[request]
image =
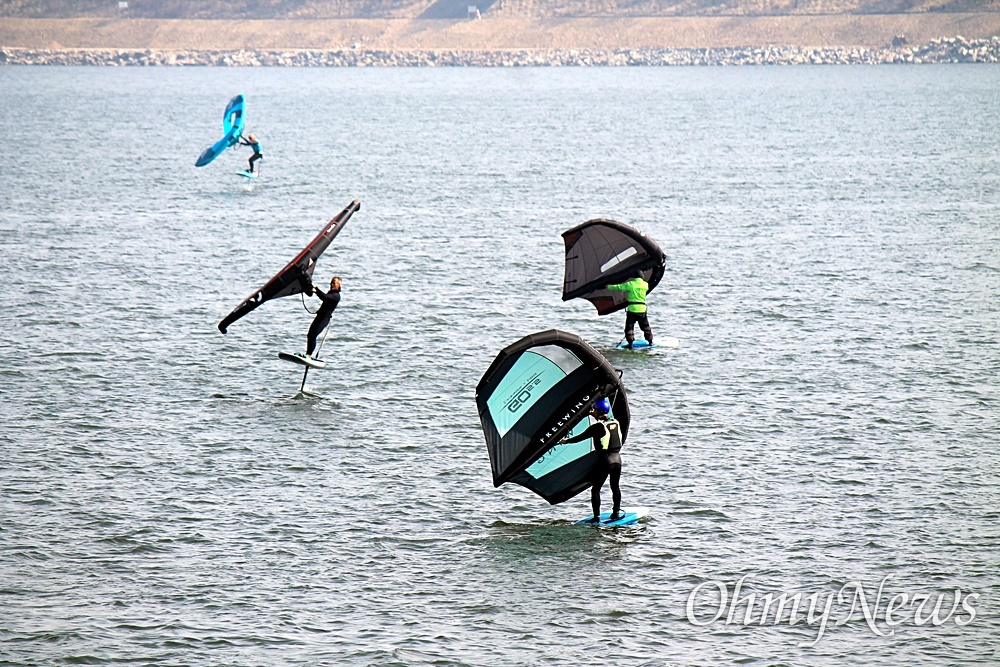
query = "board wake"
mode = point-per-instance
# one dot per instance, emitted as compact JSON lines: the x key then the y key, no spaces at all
{"x":299,"y":358}
{"x":632,"y":515}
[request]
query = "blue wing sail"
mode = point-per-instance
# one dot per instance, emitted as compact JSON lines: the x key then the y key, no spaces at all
{"x":232,"y":119}
{"x":232,"y":127}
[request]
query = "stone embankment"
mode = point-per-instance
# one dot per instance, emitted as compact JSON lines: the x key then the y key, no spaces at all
{"x":946,"y":50}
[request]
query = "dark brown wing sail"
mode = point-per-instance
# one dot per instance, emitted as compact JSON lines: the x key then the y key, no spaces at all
{"x":298,"y":273}
{"x":604,"y":252}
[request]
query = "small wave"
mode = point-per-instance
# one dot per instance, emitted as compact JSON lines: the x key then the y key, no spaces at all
{"x":980,"y":266}
{"x":707,"y":513}
{"x":84,"y":660}
{"x":771,"y":314}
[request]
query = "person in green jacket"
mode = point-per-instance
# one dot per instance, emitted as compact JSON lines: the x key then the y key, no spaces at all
{"x":635,"y":289}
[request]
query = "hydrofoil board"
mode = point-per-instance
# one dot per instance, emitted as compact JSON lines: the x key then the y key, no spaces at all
{"x":299,"y":358}
{"x":246,"y":174}
{"x":643,"y":345}
{"x":632,"y":514}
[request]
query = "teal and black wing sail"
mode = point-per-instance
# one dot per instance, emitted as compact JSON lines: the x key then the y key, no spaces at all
{"x":536,"y":392}
{"x":232,"y":128}
{"x":298,"y":273}
{"x":604,"y":252}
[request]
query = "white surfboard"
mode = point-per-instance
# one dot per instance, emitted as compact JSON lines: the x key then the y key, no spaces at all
{"x":299,"y":358}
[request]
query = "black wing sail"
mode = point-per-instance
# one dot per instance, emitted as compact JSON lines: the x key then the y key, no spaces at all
{"x":298,"y":273}
{"x":603,"y":252}
{"x":537,"y":391}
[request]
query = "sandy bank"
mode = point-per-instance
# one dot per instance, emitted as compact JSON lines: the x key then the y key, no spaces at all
{"x":495,"y":33}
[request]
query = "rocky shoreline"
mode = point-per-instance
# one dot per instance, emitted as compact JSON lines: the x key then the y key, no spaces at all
{"x":945,"y":50}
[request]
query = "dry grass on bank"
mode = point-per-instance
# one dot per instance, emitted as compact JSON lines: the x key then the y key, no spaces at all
{"x":494,"y":33}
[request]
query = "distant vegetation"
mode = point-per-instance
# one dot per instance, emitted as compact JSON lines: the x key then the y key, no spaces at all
{"x":411,"y":9}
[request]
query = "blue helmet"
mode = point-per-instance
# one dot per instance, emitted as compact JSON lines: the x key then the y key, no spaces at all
{"x":603,"y":406}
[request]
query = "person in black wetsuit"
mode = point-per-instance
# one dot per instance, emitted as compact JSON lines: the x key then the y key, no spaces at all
{"x":258,"y":152}
{"x":322,"y":320}
{"x":607,"y":436}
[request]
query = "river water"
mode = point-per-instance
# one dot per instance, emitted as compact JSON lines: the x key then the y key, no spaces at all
{"x":828,"y":425}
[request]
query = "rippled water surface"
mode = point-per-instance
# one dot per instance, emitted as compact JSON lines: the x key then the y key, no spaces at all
{"x":831,"y":415}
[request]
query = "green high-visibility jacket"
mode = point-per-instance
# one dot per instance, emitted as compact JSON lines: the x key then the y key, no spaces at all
{"x":635,"y":290}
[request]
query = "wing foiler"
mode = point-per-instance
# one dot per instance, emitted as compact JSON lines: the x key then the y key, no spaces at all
{"x":536,"y":392}
{"x":298,"y":273}
{"x":232,"y":127}
{"x":604,"y":252}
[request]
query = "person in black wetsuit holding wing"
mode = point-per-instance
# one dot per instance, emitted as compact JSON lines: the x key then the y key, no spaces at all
{"x":607,"y":436}
{"x":322,"y":320}
{"x":258,"y":152}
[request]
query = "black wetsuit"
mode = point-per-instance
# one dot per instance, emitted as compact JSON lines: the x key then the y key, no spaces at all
{"x":258,"y":152}
{"x":609,"y":463}
{"x":330,"y":300}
